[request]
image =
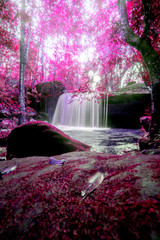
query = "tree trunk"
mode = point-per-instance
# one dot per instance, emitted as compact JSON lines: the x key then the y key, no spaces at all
{"x":51,"y":98}
{"x":152,"y":62}
{"x":36,"y":69}
{"x":22,"y":69}
{"x":150,"y":57}
{"x":42,"y":62}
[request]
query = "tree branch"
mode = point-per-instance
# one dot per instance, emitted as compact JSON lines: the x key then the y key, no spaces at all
{"x":126,"y":32}
{"x":147,"y":17}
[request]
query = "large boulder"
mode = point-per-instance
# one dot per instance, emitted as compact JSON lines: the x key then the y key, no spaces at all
{"x":50,"y":92}
{"x":148,"y":145}
{"x":40,"y":139}
{"x":48,"y":88}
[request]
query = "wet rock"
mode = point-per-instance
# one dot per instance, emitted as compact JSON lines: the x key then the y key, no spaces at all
{"x":144,"y":141}
{"x":148,"y":145}
{"x":151,"y":151}
{"x":145,"y":122}
{"x":40,"y":139}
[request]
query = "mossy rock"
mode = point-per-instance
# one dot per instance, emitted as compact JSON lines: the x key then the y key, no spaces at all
{"x":125,"y":109}
{"x":50,"y":88}
{"x":133,"y":87}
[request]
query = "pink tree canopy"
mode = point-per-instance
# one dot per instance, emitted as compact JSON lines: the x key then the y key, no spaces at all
{"x":75,"y":42}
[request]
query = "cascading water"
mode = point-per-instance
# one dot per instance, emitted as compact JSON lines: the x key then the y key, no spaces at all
{"x":81,"y":111}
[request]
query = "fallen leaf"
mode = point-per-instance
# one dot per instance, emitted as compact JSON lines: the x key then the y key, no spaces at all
{"x":9,"y":169}
{"x":54,"y":161}
{"x":92,"y":183}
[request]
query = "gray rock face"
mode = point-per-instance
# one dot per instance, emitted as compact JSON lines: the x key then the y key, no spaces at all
{"x":125,"y":110}
{"x":40,"y":139}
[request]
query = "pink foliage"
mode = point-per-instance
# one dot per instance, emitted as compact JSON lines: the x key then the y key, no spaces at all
{"x":67,"y":39}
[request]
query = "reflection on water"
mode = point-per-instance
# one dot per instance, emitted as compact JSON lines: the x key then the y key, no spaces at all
{"x":107,"y":140}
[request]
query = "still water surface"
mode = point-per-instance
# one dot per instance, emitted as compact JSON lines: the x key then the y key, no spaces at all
{"x":106,"y":140}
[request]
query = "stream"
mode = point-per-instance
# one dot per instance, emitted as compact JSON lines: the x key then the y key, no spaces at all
{"x":106,"y":140}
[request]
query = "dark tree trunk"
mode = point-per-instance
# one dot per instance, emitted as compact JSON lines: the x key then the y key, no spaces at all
{"x":149,"y":55}
{"x":152,"y":62}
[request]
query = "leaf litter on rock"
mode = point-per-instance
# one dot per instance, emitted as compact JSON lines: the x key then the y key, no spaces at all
{"x":115,"y":214}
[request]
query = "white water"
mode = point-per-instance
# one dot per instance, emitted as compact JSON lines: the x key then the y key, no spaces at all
{"x":80,"y":111}
{"x":107,"y":140}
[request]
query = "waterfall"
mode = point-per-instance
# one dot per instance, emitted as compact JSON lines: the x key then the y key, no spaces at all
{"x":83,"y":110}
